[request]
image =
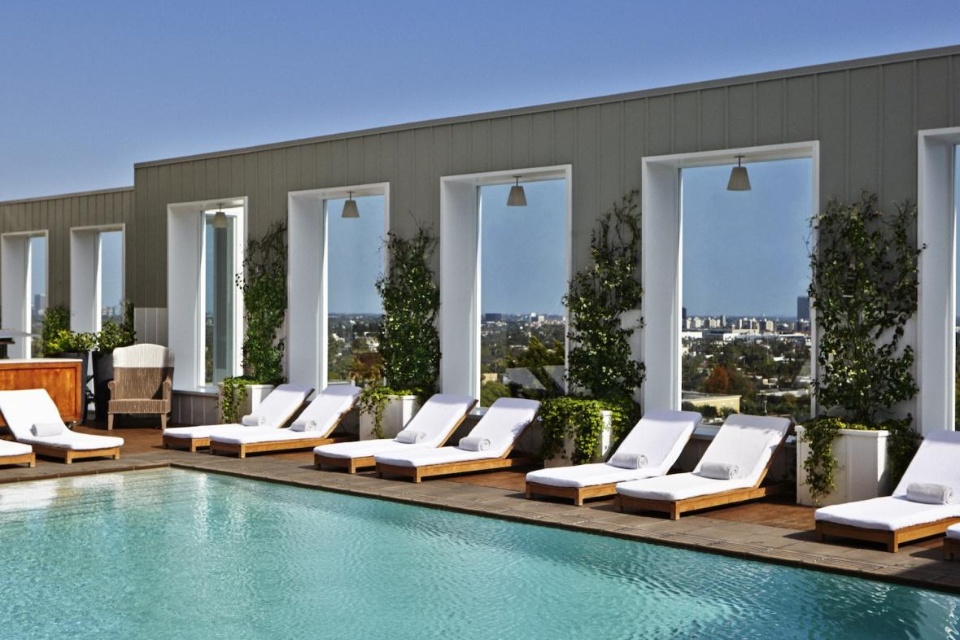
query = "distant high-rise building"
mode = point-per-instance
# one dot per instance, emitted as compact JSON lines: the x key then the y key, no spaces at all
{"x":492,"y":317}
{"x":803,"y":308}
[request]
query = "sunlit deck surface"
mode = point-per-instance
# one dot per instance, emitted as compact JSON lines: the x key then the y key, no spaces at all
{"x":773,"y":530}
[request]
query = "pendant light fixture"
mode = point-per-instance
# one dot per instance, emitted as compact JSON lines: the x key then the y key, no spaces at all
{"x":220,"y":218}
{"x":350,"y":207}
{"x":739,"y":180}
{"x":517,"y":197}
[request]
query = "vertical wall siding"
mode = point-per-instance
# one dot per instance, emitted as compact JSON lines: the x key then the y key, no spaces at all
{"x":57,"y":216}
{"x":865,"y":118}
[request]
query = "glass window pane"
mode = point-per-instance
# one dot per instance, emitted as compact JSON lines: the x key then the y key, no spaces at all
{"x":523,"y":280}
{"x":111,"y":275}
{"x":37,"y":290}
{"x":354,"y":262}
{"x":221,"y":297}
{"x":745,"y":340}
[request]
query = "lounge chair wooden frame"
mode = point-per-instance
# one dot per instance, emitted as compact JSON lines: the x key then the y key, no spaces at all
{"x":242,"y":449}
{"x":69,"y":455}
{"x":951,"y":548}
{"x":892,"y":539}
{"x":352,"y":465}
{"x":674,"y":508}
{"x":417,"y":474}
{"x":577,"y":494}
{"x":29,"y":459}
{"x":169,"y":442}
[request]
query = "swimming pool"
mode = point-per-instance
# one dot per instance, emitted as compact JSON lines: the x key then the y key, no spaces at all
{"x":180,"y":554}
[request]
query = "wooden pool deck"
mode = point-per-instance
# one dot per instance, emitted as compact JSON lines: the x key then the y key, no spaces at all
{"x":772,"y":531}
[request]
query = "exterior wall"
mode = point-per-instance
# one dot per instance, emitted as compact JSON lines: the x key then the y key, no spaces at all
{"x":865,"y":114}
{"x":60,"y":214}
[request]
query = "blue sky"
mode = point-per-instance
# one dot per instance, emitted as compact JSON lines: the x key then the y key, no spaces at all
{"x":88,"y":89}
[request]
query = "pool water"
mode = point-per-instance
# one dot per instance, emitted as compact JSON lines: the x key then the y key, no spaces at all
{"x":180,"y":554}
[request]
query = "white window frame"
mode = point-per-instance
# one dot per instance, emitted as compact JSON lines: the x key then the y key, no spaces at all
{"x":460,"y":268}
{"x":16,"y":290}
{"x":307,"y":291}
{"x":936,"y":304}
{"x":186,"y":287}
{"x":662,"y":259}
{"x":86,"y":275}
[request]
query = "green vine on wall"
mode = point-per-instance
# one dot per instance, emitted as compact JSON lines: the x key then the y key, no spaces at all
{"x":409,"y":340}
{"x":580,"y":419}
{"x":264,"y":287}
{"x":231,"y":399}
{"x":599,"y":360}
{"x":864,"y":290}
{"x":373,"y":401}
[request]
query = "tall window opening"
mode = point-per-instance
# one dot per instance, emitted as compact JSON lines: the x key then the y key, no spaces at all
{"x":110,"y":261}
{"x":37,"y":291}
{"x":222,"y":262}
{"x":354,"y":262}
{"x":956,"y":211}
{"x":523,"y":278}
{"x":745,"y":339}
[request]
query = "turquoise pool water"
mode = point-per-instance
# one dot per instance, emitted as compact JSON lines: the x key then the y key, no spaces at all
{"x":177,"y":554}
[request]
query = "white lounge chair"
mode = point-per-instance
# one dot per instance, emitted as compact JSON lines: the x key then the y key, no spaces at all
{"x":275,"y":411}
{"x":908,"y":514}
{"x":35,"y":420}
{"x":430,"y":428}
{"x":732,"y":469}
{"x":17,"y":453}
{"x":488,"y":445}
{"x":311,"y":428}
{"x":649,"y":450}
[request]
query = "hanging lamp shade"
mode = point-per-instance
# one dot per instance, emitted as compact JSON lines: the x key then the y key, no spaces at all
{"x":739,"y":180}
{"x":350,"y":208}
{"x":517,"y":197}
{"x":220,"y":218}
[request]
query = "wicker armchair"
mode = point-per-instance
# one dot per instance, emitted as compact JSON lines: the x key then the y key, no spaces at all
{"x":142,"y":382}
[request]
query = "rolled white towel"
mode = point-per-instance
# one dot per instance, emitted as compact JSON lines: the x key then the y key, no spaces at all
{"x":474,"y":443}
{"x":253,"y":420}
{"x":929,"y":493}
{"x":45,"y":429}
{"x":629,"y":460}
{"x":308,"y":425}
{"x":719,"y":470}
{"x":411,"y":436}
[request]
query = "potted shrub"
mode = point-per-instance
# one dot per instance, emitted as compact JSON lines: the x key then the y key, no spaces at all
{"x":58,"y":341}
{"x":112,"y":334}
{"x":863,"y":290}
{"x":263,"y":284}
{"x":408,"y":336}
{"x":603,"y":302}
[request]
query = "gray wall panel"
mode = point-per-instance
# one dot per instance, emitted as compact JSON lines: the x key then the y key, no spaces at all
{"x":543,"y":133}
{"x":864,"y":132}
{"x":611,"y":151}
{"x":933,"y":93}
{"x":832,"y":133}
{"x":713,"y":119}
{"x":521,"y":133}
{"x":741,"y":116}
{"x":461,"y":136}
{"x":686,"y":122}
{"x":770,"y":112}
{"x":800,"y":107}
{"x":634,"y":141}
{"x":660,"y":126}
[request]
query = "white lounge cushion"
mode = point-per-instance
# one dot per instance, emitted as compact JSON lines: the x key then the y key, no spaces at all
{"x":324,"y":411}
{"x":953,"y":531}
{"x":501,"y":425}
{"x":747,"y":442}
{"x":44,"y":429}
{"x":888,"y":513}
{"x":24,"y":408}
{"x":278,"y":407}
{"x":8,"y":448}
{"x":588,"y":475}
{"x":659,"y":436}
{"x":437,"y":419}
{"x":934,"y":463}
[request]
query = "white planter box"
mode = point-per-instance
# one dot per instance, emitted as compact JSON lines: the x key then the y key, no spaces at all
{"x":565,"y":457}
{"x":397,"y":413}
{"x":255,"y":395}
{"x":861,"y":467}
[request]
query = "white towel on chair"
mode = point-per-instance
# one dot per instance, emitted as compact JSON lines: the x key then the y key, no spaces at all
{"x":474,"y":443}
{"x":253,"y":420}
{"x":44,"y":429}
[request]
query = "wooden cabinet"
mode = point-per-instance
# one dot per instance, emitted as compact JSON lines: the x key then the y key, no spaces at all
{"x":61,"y":377}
